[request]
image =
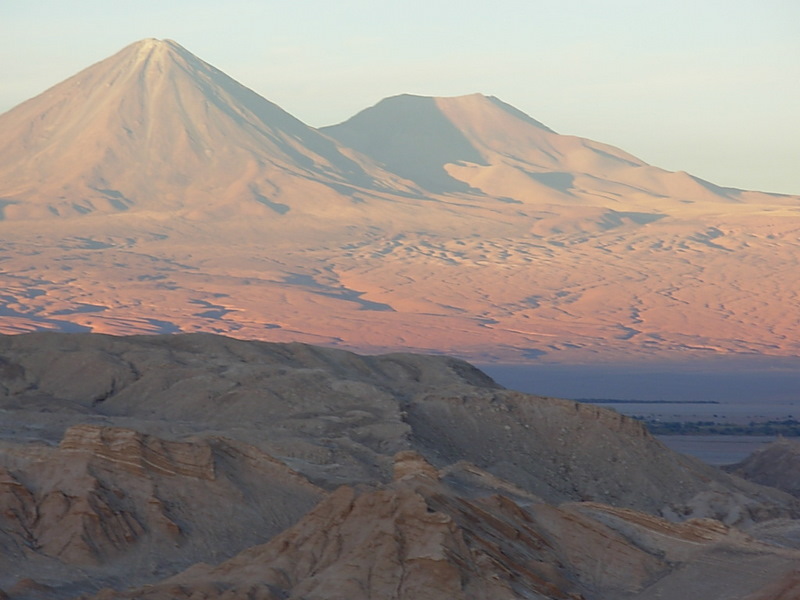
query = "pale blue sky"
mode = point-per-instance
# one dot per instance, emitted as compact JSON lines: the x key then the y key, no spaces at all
{"x":707,"y":86}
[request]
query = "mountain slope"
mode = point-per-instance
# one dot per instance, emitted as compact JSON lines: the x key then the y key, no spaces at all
{"x":153,"y":127}
{"x":481,"y":143}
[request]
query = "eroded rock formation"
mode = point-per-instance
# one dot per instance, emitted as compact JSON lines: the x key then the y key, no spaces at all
{"x":204,"y":467}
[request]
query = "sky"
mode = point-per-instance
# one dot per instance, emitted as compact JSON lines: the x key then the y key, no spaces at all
{"x":711,"y":87}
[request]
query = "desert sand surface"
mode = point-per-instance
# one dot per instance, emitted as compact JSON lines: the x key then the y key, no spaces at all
{"x":201,"y":466}
{"x":151,"y":193}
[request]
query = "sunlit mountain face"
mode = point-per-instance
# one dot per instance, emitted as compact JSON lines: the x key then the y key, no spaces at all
{"x":152,"y":193}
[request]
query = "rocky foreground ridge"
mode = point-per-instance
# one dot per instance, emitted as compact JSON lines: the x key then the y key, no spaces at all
{"x":198,"y":466}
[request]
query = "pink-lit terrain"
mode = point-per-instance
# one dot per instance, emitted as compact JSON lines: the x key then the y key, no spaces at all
{"x":151,"y":193}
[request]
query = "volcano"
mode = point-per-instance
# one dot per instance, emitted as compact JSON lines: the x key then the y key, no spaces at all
{"x":482,"y":144}
{"x":155,"y":128}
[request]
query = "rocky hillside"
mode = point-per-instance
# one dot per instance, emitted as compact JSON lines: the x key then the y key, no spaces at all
{"x":776,"y":465}
{"x":289,"y":471}
{"x":420,"y":537}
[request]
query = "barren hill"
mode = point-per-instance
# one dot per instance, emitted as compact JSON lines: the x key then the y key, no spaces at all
{"x":776,"y":465}
{"x":127,"y":460}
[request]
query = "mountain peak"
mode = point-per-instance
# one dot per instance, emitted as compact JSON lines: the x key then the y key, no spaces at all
{"x":418,"y":136}
{"x":151,"y":52}
{"x":413,"y":137}
{"x":514,"y":111}
{"x":154,"y":44}
{"x":475,"y":102}
{"x":158,"y":54}
{"x":160,"y":128}
{"x":149,"y":43}
{"x":147,"y":47}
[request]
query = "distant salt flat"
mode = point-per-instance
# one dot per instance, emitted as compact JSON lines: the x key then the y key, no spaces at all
{"x":769,"y":385}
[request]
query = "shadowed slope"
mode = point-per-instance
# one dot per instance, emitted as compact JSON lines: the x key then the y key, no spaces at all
{"x":308,"y":401}
{"x":776,"y":465}
{"x":479,"y":142}
{"x":408,"y":135}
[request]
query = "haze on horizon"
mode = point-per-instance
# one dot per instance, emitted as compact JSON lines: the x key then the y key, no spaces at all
{"x":707,"y":87}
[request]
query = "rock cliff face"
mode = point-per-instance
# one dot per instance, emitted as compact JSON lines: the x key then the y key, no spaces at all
{"x":420,"y":538}
{"x":111,"y":500}
{"x":138,"y":453}
{"x":126,"y":461}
